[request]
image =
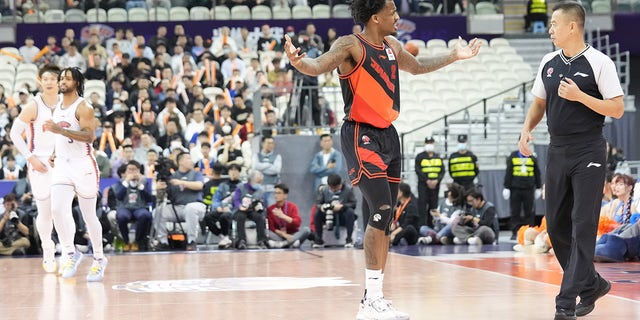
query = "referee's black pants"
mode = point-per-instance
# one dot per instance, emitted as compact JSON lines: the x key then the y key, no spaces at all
{"x":521,"y":205}
{"x":574,"y":180}
{"x":427,"y":200}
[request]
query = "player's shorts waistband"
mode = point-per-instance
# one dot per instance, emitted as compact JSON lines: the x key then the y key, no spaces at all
{"x":364,"y":124}
{"x":586,"y":136}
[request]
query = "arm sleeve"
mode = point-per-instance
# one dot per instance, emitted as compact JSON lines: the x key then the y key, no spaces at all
{"x":418,"y":168}
{"x":487,"y":218}
{"x":17,"y":129}
{"x":608,"y":81}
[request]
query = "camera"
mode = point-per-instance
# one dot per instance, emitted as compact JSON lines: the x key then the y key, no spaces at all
{"x":252,"y":204}
{"x":13,"y":217}
{"x":328,"y":208}
{"x":163,"y":169}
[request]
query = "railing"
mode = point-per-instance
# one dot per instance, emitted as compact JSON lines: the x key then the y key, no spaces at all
{"x":466,"y":117}
{"x":621,"y":59}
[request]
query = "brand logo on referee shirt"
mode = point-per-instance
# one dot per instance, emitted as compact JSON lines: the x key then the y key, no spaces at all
{"x":594,"y":164}
{"x":549,"y":72}
{"x":584,"y":75}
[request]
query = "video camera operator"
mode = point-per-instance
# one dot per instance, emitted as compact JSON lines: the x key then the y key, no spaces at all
{"x":13,"y":233}
{"x":336,"y":204}
{"x":184,"y":194}
{"x":249,"y":201}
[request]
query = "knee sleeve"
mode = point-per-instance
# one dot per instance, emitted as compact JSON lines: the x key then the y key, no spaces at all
{"x":380,"y":218}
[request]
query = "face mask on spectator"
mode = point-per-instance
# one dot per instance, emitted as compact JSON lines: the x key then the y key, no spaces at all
{"x":255,"y":186}
{"x":117,"y":107}
{"x":462,"y":146}
{"x":429,"y":147}
{"x":176,"y":144}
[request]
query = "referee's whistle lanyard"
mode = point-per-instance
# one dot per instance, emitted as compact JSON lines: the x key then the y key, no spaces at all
{"x":523,"y":165}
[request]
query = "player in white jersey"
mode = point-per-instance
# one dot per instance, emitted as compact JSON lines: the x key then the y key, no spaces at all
{"x":75,"y":171}
{"x":37,"y":148}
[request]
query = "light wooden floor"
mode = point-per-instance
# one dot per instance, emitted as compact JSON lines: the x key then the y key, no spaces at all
{"x":294,"y":284}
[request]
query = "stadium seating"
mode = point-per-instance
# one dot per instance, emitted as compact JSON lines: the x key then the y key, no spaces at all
{"x":341,"y":11}
{"x":76,"y":15}
{"x":301,"y":12}
{"x":220,"y":13}
{"x":199,"y":13}
{"x":179,"y":14}
{"x":261,"y":12}
{"x":158,"y":14}
{"x":117,"y":15}
{"x":54,"y":16}
{"x":138,"y":14}
{"x":321,"y":11}
{"x":281,"y":13}
{"x":240,"y":13}
{"x":96,"y":15}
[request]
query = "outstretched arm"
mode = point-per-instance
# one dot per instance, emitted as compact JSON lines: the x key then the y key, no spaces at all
{"x":340,"y":51}
{"x":409,"y":63}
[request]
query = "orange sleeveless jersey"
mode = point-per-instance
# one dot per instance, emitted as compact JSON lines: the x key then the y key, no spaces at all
{"x":371,"y":91}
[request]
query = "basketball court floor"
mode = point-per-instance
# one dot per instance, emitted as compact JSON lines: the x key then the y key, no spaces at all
{"x":429,"y":282}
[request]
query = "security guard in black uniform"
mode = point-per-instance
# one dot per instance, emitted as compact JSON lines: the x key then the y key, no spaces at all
{"x":429,"y":167}
{"x":463,"y":164}
{"x":536,"y":11}
{"x":522,"y":184}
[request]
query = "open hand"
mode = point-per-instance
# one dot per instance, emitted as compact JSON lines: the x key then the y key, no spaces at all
{"x":292,"y":52}
{"x":471,"y":50}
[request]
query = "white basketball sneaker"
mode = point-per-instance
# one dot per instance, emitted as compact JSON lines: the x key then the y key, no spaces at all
{"x":49,"y":265}
{"x":70,"y":266}
{"x":379,"y":309}
{"x":96,"y":273}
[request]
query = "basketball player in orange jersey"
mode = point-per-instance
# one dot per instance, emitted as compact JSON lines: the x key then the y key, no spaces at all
{"x":369,"y":63}
{"x":36,"y":149}
{"x":75,"y":172}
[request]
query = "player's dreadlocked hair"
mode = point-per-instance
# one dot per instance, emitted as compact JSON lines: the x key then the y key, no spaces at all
{"x":362,"y":10}
{"x":77,"y":76}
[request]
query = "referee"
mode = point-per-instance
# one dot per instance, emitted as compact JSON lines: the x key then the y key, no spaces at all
{"x":577,"y":86}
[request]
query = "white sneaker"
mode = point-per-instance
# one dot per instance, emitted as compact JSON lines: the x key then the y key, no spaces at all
{"x":49,"y":265}
{"x":71,"y":265}
{"x":96,"y":273}
{"x":225,"y":242}
{"x":457,"y":240}
{"x":425,"y":240}
{"x":296,"y":244}
{"x":379,"y":309}
{"x":274,"y":244}
{"x":474,"y":241}
{"x":348,"y":245}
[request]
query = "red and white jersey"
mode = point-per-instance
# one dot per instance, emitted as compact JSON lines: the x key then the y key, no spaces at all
{"x":41,"y":142}
{"x":66,"y":118}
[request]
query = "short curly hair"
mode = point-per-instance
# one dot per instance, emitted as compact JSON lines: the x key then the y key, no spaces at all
{"x":362,"y":10}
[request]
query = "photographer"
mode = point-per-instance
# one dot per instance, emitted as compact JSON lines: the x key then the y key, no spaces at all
{"x":133,"y":197}
{"x":476,"y":227}
{"x":218,"y":219}
{"x":336,"y":203}
{"x":14,"y":234}
{"x":184,"y":202}
{"x":249,"y":199}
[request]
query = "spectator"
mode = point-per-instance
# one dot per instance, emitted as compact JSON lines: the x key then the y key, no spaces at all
{"x":623,"y":207}
{"x":229,"y":65}
{"x":147,"y":142}
{"x":13,"y":232}
{"x":10,"y":171}
{"x":522,"y":185}
{"x":184,"y":190}
{"x":326,"y":162}
{"x":405,"y":225}
{"x":463,"y":164}
{"x":94,"y":42}
{"x":73,"y":59}
{"x":104,"y":167}
{"x":477,"y":227}
{"x":133,"y":198}
{"x":229,"y":153}
{"x":196,"y":123}
{"x":219,"y":217}
{"x":29,"y":50}
{"x":269,"y":163}
{"x":445,"y":217}
{"x":126,"y":157}
{"x":223,"y":44}
{"x":266,"y":41}
{"x":284,"y":221}
{"x":429,"y":167}
{"x":336,"y":203}
{"x":170,"y":110}
{"x":159,"y":38}
{"x":249,"y":199}
{"x":206,"y":163}
{"x":272,"y":125}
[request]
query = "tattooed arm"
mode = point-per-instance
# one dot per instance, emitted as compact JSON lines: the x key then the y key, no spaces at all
{"x":409,"y":63}
{"x":341,"y":51}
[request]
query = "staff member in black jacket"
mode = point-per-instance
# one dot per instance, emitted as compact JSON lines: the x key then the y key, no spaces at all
{"x":429,"y":168}
{"x":522,"y":184}
{"x":463,"y":164}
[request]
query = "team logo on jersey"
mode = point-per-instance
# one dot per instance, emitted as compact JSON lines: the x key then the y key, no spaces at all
{"x":549,"y":72}
{"x":390,"y":54}
{"x":584,"y":75}
{"x":232,"y":284}
{"x":366,"y":140}
{"x":64,"y":124}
